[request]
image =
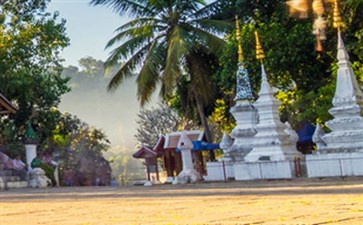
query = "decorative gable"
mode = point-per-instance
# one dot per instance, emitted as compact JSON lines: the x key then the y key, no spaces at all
{"x":6,"y":106}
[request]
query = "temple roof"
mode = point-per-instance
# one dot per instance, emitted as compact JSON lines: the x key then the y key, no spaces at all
{"x":145,"y":152}
{"x":6,"y":106}
{"x":172,"y":139}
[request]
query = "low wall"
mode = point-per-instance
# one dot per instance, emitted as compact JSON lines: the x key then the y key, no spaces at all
{"x":219,"y":171}
{"x":264,"y":170}
{"x":335,"y":164}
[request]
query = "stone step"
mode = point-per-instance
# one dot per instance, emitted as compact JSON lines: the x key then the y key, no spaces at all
{"x":14,"y":184}
{"x":11,"y":178}
{"x":5,"y":173}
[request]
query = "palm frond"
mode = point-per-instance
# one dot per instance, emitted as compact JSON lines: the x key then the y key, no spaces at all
{"x":137,"y":33}
{"x":128,"y":7}
{"x":126,"y":49}
{"x":187,"y":8}
{"x":127,"y":69}
{"x":214,"y":43}
{"x":178,"y":45}
{"x":160,"y":6}
{"x":148,"y":77}
{"x":140,"y":22}
{"x":214,"y":26}
{"x":209,"y":9}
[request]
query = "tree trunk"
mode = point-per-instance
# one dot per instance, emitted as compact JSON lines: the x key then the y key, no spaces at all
{"x":204,"y":121}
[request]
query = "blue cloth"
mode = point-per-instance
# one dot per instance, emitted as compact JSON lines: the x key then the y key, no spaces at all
{"x":306,"y":133}
{"x":201,"y":145}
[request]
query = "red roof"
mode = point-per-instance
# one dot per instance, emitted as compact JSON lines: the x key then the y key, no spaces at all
{"x":159,"y":147}
{"x":6,"y":106}
{"x":145,"y":152}
{"x":168,"y":141}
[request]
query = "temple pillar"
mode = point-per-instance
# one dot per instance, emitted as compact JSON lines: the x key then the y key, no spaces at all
{"x":188,"y":174}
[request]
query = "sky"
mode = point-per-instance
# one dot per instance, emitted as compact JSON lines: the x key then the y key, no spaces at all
{"x":88,"y":27}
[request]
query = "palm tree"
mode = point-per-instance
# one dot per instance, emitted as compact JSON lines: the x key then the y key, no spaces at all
{"x":162,"y":44}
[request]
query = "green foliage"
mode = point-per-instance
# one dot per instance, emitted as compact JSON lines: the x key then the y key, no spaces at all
{"x":30,"y":44}
{"x":73,"y":139}
{"x":305,"y":78}
{"x":167,"y":40}
{"x":221,"y":117}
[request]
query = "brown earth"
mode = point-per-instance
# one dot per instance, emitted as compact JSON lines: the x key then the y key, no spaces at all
{"x":300,"y":201}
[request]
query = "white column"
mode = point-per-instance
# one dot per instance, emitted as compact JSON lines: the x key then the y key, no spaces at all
{"x":187,"y":159}
{"x":31,"y":153}
{"x":188,"y":174}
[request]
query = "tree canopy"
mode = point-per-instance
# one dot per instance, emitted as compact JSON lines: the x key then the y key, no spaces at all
{"x":30,"y":66}
{"x":304,"y":77}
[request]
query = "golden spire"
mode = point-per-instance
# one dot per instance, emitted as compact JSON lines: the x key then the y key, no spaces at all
{"x":238,"y":37}
{"x":337,"y":20}
{"x":259,"y":51}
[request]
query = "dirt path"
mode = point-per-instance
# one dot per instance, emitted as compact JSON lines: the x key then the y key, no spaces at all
{"x":316,"y":202}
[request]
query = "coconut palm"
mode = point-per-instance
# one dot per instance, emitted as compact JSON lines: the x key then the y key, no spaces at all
{"x":159,"y":43}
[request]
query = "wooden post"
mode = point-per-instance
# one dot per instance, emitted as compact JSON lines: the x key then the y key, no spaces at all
{"x":157,"y":169}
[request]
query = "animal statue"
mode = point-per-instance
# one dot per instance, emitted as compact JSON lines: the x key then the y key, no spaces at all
{"x":38,"y":179}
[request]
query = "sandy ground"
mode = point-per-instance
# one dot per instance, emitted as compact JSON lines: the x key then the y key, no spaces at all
{"x":301,"y":201}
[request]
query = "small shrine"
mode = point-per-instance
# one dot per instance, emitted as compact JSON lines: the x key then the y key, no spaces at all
{"x":169,"y":147}
{"x":151,"y":162}
{"x":6,"y":107}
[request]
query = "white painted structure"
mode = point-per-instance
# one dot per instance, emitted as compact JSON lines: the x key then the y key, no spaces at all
{"x":340,"y":152}
{"x":219,"y":171}
{"x":335,"y":164}
{"x":225,"y":145}
{"x":264,"y":170}
{"x":31,"y":153}
{"x":274,"y":145}
{"x":38,"y":178}
{"x":263,"y":147}
{"x":274,"y":140}
{"x":245,"y":115}
{"x":188,"y":174}
{"x":347,"y":126}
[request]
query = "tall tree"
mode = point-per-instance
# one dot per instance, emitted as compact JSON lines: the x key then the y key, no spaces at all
{"x":31,"y":40}
{"x":155,"y":122}
{"x":305,"y":77}
{"x":161,"y":42}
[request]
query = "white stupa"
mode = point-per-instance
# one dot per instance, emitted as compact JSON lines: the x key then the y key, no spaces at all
{"x":274,"y":140}
{"x":347,"y":126}
{"x":243,"y":111}
{"x":340,"y":152}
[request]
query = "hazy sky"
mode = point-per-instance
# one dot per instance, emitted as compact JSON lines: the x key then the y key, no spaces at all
{"x":89,"y":28}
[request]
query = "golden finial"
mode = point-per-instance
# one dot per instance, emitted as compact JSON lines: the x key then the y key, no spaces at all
{"x":259,"y":51}
{"x":337,"y":20}
{"x":238,"y":37}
